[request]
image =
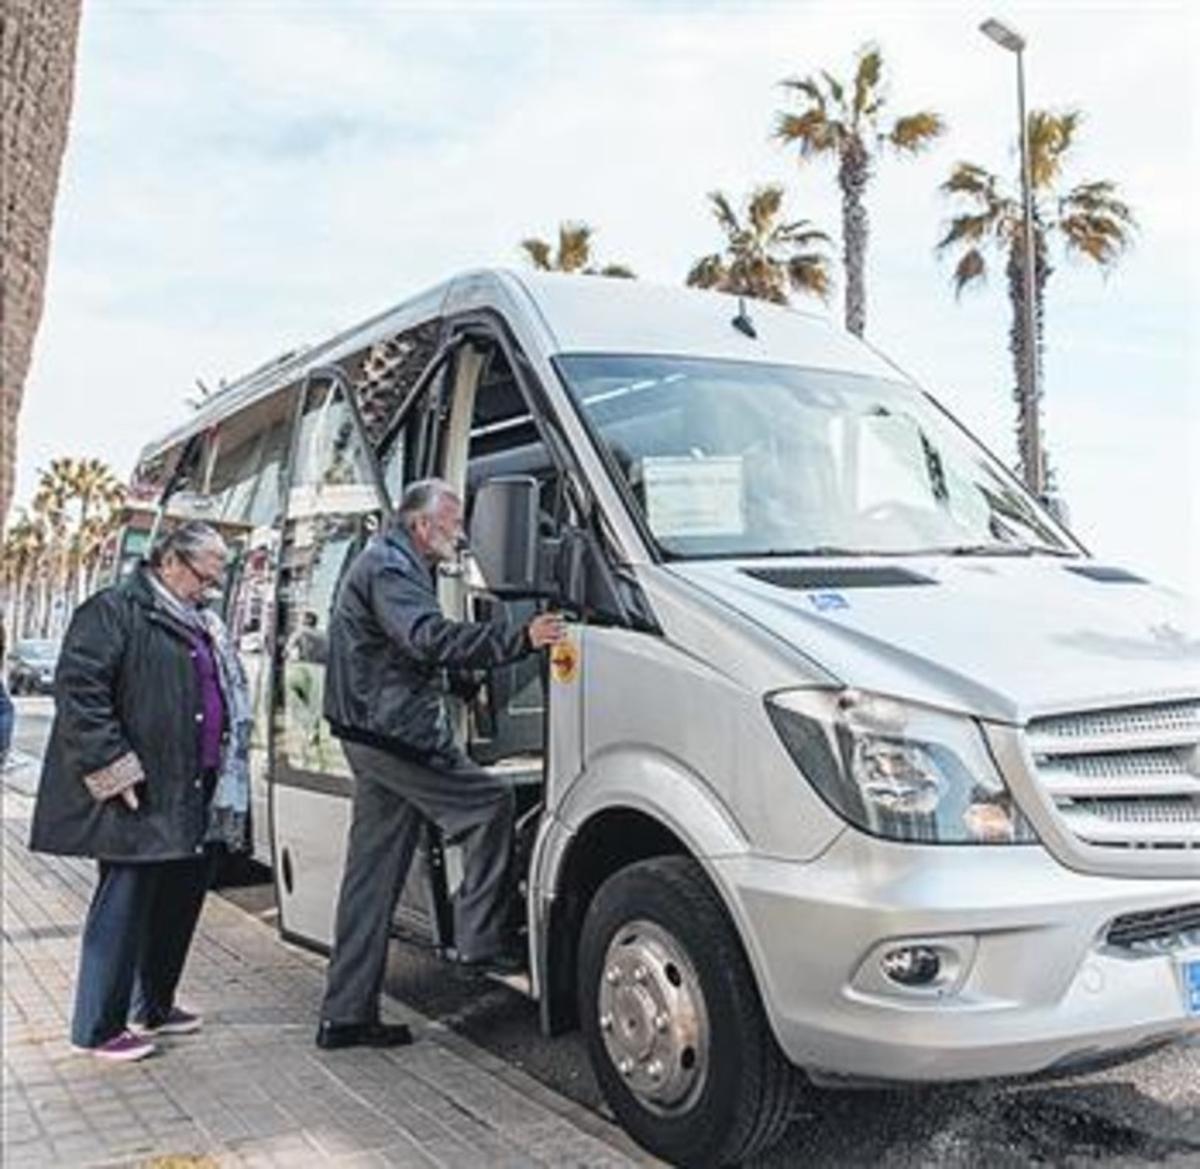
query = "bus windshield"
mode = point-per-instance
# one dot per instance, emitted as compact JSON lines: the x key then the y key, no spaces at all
{"x":726,"y":458}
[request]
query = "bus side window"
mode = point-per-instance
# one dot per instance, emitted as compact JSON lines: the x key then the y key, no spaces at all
{"x":333,"y":508}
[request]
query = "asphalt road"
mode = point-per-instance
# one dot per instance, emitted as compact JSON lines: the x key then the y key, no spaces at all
{"x":1145,"y":1113}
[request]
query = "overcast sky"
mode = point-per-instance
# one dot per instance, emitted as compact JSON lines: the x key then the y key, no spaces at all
{"x":245,"y":176}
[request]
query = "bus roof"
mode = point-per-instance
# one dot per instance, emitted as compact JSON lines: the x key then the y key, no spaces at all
{"x":571,"y":314}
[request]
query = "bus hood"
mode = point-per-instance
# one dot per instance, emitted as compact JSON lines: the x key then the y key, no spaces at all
{"x":997,"y":637}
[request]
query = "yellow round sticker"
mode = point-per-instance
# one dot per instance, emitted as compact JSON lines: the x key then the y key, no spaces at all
{"x":564,"y":661}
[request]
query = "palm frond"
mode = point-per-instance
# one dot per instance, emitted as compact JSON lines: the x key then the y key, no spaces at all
{"x":836,"y":89}
{"x":809,"y":88}
{"x":810,"y":274}
{"x":574,"y":246}
{"x":1099,"y":237}
{"x":866,"y":79}
{"x":1097,"y":198}
{"x":537,"y":252}
{"x":724,"y":214}
{"x":707,"y":272}
{"x":764,"y":206}
{"x":800,"y":233}
{"x":971,"y":267}
{"x":1050,"y":137}
{"x":913,"y":132}
{"x":812,"y":131}
{"x":972,"y":180}
{"x":971,"y":229}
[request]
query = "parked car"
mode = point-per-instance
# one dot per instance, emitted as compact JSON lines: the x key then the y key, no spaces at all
{"x":31,"y":666}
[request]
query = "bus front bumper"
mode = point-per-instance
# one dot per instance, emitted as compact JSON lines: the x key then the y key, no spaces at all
{"x":1028,"y":978}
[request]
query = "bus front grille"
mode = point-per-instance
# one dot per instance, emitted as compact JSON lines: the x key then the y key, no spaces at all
{"x":1126,"y":777}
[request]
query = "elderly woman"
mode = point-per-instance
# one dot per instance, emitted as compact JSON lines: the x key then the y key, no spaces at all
{"x":146,"y":772}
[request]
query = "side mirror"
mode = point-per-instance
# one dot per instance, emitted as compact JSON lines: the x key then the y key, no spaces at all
{"x":504,"y":535}
{"x":518,"y":560}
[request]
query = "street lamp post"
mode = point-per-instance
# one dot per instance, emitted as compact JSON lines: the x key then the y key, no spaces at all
{"x":1008,"y":38}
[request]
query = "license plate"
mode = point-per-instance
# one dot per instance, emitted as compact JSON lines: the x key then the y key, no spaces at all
{"x":1189,"y":972}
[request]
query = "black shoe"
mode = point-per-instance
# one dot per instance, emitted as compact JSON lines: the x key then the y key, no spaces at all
{"x":334,"y":1035}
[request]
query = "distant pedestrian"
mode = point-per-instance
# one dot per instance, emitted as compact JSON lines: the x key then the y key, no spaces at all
{"x":146,"y":771}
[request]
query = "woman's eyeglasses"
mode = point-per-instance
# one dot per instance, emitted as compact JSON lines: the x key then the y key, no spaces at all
{"x":206,"y":580}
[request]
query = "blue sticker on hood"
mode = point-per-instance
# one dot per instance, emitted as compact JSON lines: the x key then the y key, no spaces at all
{"x":823,"y":602}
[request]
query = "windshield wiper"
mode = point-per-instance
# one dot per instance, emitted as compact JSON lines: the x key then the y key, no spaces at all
{"x":1006,"y":550}
{"x":985,"y":550}
{"x":1044,"y":550}
{"x":816,"y":550}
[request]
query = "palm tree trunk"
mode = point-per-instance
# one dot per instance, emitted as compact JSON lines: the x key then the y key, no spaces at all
{"x":79,"y":593}
{"x":43,"y":605}
{"x":1015,"y":274}
{"x":854,"y":172}
{"x":18,"y":608}
{"x":1041,"y":274}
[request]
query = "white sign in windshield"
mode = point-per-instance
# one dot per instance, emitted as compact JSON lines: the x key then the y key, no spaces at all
{"x":694,"y":496}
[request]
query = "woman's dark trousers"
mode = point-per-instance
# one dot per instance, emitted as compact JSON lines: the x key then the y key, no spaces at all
{"x":136,"y":938}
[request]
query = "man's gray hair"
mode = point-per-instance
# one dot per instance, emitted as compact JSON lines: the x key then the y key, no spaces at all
{"x":421,"y":498}
{"x":187,"y":541}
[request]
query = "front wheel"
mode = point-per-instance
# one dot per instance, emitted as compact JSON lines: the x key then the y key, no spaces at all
{"x":675,"y":1029}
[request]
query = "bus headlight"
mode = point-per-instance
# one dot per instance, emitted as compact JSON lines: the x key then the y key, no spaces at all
{"x":898,"y":770}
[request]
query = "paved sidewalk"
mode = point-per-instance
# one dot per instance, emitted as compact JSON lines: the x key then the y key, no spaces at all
{"x":250,"y":1089}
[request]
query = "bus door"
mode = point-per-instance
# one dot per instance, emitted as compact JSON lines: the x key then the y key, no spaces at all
{"x":487,"y":429}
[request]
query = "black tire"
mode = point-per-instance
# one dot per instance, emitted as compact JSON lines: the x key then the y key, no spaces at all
{"x":742,"y":1103}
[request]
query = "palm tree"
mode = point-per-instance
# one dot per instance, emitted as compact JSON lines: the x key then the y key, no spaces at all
{"x":93,"y":485}
{"x":20,"y":556}
{"x":846,"y":123}
{"x":1088,"y":218}
{"x":764,"y":257}
{"x":50,"y":504}
{"x":75,"y":501}
{"x":95,"y":535}
{"x":574,"y":253}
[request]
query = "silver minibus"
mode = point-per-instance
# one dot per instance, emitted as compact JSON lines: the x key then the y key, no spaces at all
{"x":856,"y":768}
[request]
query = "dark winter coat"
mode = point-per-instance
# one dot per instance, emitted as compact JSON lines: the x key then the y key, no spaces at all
{"x":390,"y":648}
{"x":127,"y":704}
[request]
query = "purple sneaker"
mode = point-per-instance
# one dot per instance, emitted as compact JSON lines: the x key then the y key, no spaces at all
{"x":123,"y":1048}
{"x":177,"y":1022}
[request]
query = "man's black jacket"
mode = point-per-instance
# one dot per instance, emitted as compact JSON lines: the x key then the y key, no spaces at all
{"x":126,"y":709}
{"x":390,"y":646}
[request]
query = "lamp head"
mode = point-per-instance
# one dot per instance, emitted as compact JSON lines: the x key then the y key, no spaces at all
{"x":1003,"y":35}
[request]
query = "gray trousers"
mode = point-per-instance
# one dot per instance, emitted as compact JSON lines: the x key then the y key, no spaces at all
{"x":391,"y":796}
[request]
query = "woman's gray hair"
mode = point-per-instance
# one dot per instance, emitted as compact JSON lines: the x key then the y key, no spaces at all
{"x":188,"y":541}
{"x":421,"y":498}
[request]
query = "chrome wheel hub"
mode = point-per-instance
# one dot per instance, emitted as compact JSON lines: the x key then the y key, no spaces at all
{"x":653,"y":1018}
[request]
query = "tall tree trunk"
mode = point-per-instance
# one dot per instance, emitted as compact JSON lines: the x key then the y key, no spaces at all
{"x":1041,"y":274}
{"x":43,"y":606}
{"x":79,"y":593}
{"x":17,"y":593}
{"x":1015,"y":274}
{"x":37,"y":67}
{"x":854,"y":172}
